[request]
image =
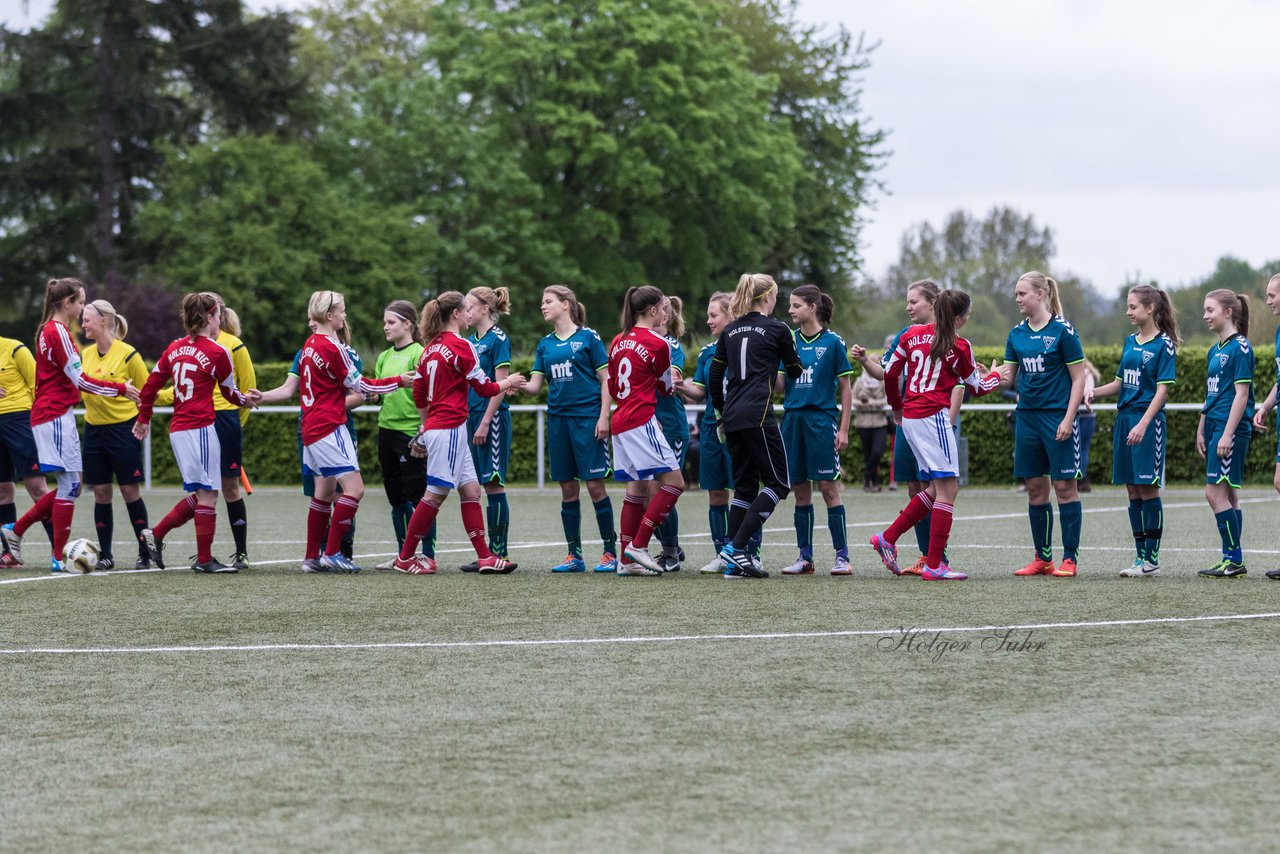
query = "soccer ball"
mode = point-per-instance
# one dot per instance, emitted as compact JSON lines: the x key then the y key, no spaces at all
{"x":82,"y":556}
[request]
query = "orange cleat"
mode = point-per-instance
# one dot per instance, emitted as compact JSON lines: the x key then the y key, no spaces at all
{"x":1038,"y":567}
{"x":918,"y":567}
{"x":1066,"y":569}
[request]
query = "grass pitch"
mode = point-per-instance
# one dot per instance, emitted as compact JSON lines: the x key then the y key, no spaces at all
{"x":274,"y":710}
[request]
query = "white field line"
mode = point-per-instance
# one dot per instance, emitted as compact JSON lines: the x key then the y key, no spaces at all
{"x":890,"y":632}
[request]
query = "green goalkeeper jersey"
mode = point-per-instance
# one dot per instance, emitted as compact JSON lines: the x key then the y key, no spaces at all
{"x":398,"y":410}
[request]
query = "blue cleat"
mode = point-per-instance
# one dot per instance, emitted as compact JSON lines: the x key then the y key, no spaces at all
{"x":570,"y":564}
{"x":608,"y":563}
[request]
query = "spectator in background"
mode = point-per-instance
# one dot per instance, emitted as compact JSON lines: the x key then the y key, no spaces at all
{"x":1088,"y":423}
{"x":872,"y":424}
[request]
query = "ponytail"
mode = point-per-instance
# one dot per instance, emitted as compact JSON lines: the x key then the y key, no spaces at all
{"x":437,"y":312}
{"x":1046,"y":286}
{"x":948,"y":309}
{"x":497,"y":300}
{"x":56,"y":292}
{"x":814,"y":296}
{"x":1237,"y":304}
{"x":1242,"y":324}
{"x":637,"y":301}
{"x":751,"y":288}
{"x":119,"y":326}
{"x":577,"y":311}
{"x":1163,"y":312}
{"x":675,"y":326}
{"x":230,"y":321}
{"x":197,"y":309}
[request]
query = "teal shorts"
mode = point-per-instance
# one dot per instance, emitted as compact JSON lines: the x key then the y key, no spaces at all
{"x":677,"y":436}
{"x":1228,"y":469}
{"x":905,"y":467}
{"x":1143,"y":463}
{"x":492,"y":457}
{"x":1036,"y":450}
{"x":715,"y":468}
{"x":809,"y":435}
{"x":576,"y":453}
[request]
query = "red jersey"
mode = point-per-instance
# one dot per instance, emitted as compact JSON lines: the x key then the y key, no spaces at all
{"x":195,"y":365}
{"x":59,"y":379}
{"x":325,"y":373}
{"x":445,"y":370}
{"x":929,"y":380}
{"x":639,"y":369}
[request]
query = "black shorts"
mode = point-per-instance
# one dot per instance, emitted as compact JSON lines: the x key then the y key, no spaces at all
{"x":18,"y":459}
{"x":759,"y":459}
{"x":404,"y":476}
{"x":226,"y":423}
{"x":109,"y":451}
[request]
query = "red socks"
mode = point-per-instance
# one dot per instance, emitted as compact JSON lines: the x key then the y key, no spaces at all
{"x":63,"y":510}
{"x":206,"y":522}
{"x":939,"y":531}
{"x":41,"y":510}
{"x":317,"y":524}
{"x":181,"y":514}
{"x":654,"y":515}
{"x":424,"y":516}
{"x":344,"y":511}
{"x":629,"y":524}
{"x":473,"y":521}
{"x":917,"y":508}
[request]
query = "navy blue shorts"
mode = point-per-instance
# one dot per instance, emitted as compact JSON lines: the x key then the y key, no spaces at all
{"x":110,"y":451}
{"x":226,"y":423}
{"x":18,"y":458}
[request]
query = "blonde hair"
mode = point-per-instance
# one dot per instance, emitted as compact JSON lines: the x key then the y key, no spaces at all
{"x":751,"y":288}
{"x":115,"y":321}
{"x":725,"y":299}
{"x":321,"y":303}
{"x":577,"y":311}
{"x":230,"y":321}
{"x":1237,"y":304}
{"x":498,"y":300}
{"x":675,"y":326}
{"x":436,"y":313}
{"x":1045,"y":285}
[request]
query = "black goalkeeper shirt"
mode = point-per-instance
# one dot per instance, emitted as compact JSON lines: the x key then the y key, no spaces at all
{"x":745,"y":366}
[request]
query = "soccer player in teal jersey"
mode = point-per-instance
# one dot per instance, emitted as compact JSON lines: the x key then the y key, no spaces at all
{"x":1260,"y":417}
{"x":489,"y":418}
{"x":1222,"y":438}
{"x":1148,"y":367}
{"x":1044,"y":359}
{"x":675,"y":429}
{"x":715,"y":469}
{"x":815,"y":429}
{"x":573,"y":363}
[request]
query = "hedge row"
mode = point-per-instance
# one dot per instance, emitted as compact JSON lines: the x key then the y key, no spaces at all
{"x":271,"y":455}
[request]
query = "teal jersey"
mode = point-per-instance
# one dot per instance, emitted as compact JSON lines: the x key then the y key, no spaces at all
{"x":493,"y":351}
{"x":570,"y":365}
{"x":1230,"y":363}
{"x":825,"y":359}
{"x":670,"y":409}
{"x":1144,"y":365}
{"x":398,"y":411}
{"x":1043,"y":356}
{"x":701,"y":376}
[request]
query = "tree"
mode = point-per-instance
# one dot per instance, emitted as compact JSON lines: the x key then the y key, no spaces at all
{"x":257,"y":220}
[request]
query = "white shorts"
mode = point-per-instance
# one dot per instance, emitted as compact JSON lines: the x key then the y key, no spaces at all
{"x":58,"y":444}
{"x":933,"y":444}
{"x":330,"y":456}
{"x":449,"y":463}
{"x":642,"y":452}
{"x":199,"y":458}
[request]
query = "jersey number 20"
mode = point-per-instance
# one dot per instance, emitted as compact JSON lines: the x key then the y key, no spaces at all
{"x":924,"y":373}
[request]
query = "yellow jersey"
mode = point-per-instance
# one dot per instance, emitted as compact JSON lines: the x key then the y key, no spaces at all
{"x":17,"y":376}
{"x":121,"y":364}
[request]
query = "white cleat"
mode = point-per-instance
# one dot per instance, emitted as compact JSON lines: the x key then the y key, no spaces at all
{"x":636,"y":569}
{"x":12,"y":542}
{"x":1141,"y":569}
{"x":716,"y":567}
{"x":642,"y":557}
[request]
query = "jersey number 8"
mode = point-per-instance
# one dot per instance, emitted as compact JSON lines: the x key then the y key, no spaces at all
{"x":624,"y":378}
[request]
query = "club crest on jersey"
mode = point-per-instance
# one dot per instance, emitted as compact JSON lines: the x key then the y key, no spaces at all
{"x":575,"y":346}
{"x":1049,"y":341}
{"x":819,"y":351}
{"x":1222,"y":360}
{"x":1147,"y":356}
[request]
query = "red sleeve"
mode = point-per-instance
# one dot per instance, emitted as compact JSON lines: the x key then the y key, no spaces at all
{"x":892,"y":390}
{"x":420,"y":384}
{"x":159,"y":376}
{"x":662,"y":366}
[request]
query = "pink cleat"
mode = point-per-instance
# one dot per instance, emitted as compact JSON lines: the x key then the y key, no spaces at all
{"x":942,"y":573}
{"x":888,"y":553}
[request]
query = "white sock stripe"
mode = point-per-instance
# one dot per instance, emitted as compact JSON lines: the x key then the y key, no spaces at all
{"x":924,"y":496}
{"x":672,"y":490}
{"x":945,"y":508}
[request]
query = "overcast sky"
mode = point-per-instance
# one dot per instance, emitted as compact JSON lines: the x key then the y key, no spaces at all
{"x":1146,"y":133}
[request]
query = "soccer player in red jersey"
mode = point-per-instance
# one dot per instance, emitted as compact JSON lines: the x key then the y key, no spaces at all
{"x":195,"y":364}
{"x":935,"y":360}
{"x":449,"y":367}
{"x":59,"y":381}
{"x":640,"y":370}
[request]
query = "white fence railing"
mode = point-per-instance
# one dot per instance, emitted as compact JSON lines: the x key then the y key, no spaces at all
{"x":540,"y":413}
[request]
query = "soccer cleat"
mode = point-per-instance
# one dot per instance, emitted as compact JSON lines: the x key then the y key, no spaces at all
{"x":569,"y":564}
{"x":240,"y":561}
{"x":888,"y":553}
{"x":917,"y":567}
{"x":802,"y":566}
{"x":942,"y":573}
{"x":1066,"y":569}
{"x":155,"y":548}
{"x":211,"y":566}
{"x":757,"y":563}
{"x":496,"y":565}
{"x":714,"y":568}
{"x":388,"y":564}
{"x":742,"y":565}
{"x":636,"y":569}
{"x":642,"y":557}
{"x":143,"y":562}
{"x":415,"y":565}
{"x":7,"y":561}
{"x":55,"y":565}
{"x":1141,"y":569}
{"x":669,"y":563}
{"x":313,"y":564}
{"x":1273,"y":574}
{"x":12,"y":542}
{"x":104,"y":564}
{"x":608,"y":563}
{"x":1225,"y":569}
{"x":474,"y":566}
{"x":338,"y":563}
{"x":1036,"y":567}
{"x":842,"y":567}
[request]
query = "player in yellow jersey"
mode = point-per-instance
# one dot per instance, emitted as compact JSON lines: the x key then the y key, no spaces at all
{"x":110,"y":450}
{"x":17,"y":444}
